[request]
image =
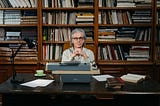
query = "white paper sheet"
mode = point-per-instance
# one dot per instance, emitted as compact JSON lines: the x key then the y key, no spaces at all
{"x":102,"y":77}
{"x":37,"y":83}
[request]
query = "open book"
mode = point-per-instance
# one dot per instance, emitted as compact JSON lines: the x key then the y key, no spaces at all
{"x":134,"y":78}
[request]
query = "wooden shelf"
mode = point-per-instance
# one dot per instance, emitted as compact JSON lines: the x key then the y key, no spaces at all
{"x":123,"y":66}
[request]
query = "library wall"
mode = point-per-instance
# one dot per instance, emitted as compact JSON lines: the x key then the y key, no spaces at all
{"x":125,"y":36}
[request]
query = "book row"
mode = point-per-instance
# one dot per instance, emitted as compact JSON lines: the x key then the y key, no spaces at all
{"x":67,"y":3}
{"x":20,"y":34}
{"x":105,"y":17}
{"x":52,"y":51}
{"x":62,"y":17}
{"x":123,"y":52}
{"x":105,"y":52}
{"x":90,"y":3}
{"x":18,"y":17}
{"x":124,"y":3}
{"x":125,"y":34}
{"x":63,"y":34}
{"x":24,"y":54}
{"x":18,"y":3}
{"x":124,"y":17}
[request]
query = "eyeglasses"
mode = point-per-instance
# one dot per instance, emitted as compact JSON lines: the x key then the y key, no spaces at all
{"x":76,"y":38}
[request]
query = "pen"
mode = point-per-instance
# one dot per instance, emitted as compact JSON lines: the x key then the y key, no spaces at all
{"x":50,"y":76}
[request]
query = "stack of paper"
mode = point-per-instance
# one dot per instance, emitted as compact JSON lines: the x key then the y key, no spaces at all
{"x":38,"y":83}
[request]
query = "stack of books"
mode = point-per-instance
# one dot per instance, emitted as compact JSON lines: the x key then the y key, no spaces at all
{"x":13,"y":35}
{"x":85,"y":3}
{"x":114,"y":82}
{"x":138,"y":53}
{"x":12,"y":17}
{"x":84,"y":18}
{"x":2,"y":34}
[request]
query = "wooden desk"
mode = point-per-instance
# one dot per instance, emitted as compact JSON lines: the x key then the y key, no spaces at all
{"x":15,"y":93}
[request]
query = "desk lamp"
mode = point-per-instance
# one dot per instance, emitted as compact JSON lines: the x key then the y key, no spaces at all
{"x":30,"y":44}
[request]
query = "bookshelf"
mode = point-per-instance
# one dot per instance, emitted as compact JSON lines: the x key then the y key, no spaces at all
{"x":117,"y":41}
{"x":59,"y":19}
{"x":130,"y":50}
{"x":18,"y":21}
{"x":157,"y":41}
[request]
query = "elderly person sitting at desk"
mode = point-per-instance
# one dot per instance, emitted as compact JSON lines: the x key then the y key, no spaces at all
{"x":78,"y":52}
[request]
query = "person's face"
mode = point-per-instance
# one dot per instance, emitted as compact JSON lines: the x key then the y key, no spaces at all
{"x":78,"y":39}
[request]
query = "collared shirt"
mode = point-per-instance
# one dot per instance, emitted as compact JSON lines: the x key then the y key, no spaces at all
{"x":66,"y":56}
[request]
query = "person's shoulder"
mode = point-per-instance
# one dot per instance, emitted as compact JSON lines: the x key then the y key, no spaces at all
{"x":68,"y":50}
{"x":86,"y":49}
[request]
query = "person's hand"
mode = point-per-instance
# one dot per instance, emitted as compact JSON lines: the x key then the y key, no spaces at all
{"x":79,"y":52}
{"x":76,"y":52}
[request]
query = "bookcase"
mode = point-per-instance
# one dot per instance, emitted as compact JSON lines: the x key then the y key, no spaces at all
{"x":124,"y":36}
{"x":156,"y":39}
{"x":18,"y":22}
{"x":130,"y":48}
{"x":58,"y":20}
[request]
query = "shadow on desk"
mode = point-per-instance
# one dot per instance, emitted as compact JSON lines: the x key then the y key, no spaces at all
{"x":26,"y":100}
{"x":137,"y":100}
{"x":81,"y":100}
{"x":58,"y":100}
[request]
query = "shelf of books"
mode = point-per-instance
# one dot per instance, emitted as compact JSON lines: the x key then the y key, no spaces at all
{"x":157,"y":43}
{"x":18,"y":21}
{"x":125,"y":30}
{"x":123,"y":33}
{"x":59,"y":18}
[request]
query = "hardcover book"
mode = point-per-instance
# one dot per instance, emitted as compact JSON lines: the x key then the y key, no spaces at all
{"x":115,"y":82}
{"x":134,"y":78}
